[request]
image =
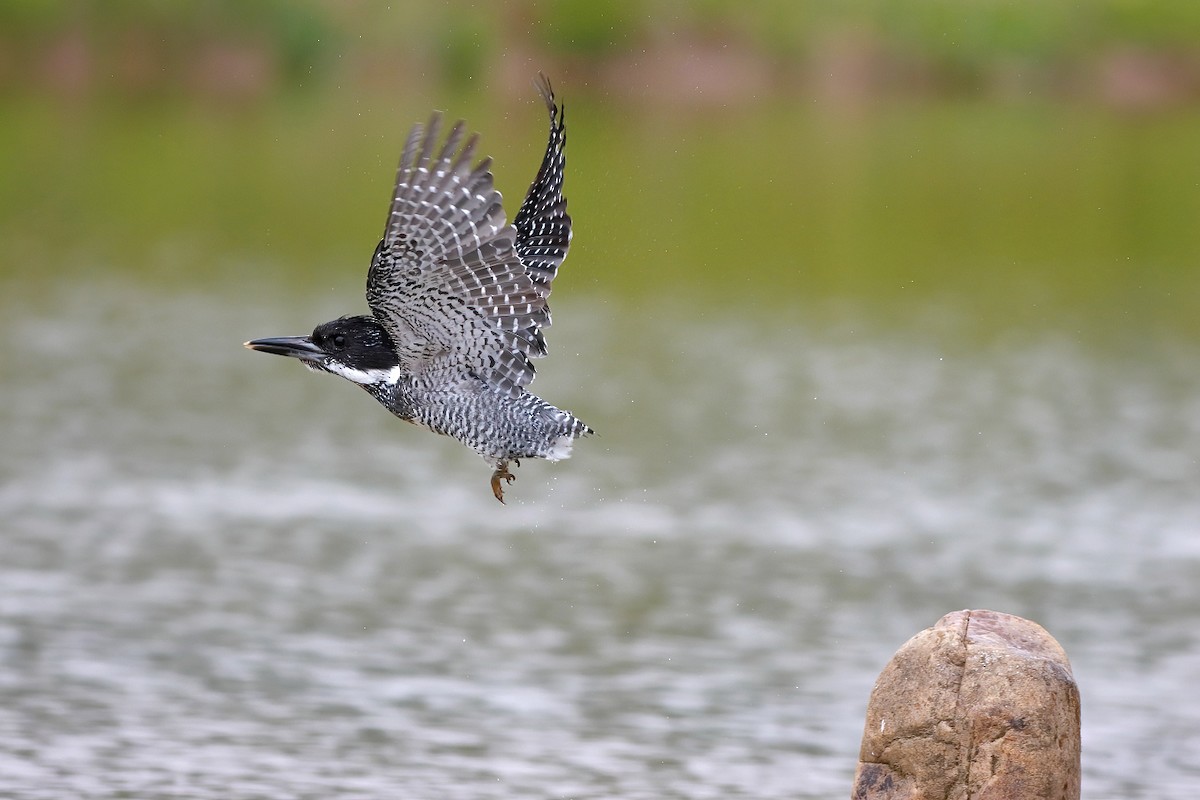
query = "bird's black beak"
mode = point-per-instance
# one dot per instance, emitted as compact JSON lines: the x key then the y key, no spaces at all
{"x":300,"y":347}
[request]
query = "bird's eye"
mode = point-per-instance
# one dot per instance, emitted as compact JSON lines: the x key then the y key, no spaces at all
{"x":339,"y":340}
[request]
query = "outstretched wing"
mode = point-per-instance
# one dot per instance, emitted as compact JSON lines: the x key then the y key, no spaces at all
{"x":542,"y":224}
{"x":447,"y":281}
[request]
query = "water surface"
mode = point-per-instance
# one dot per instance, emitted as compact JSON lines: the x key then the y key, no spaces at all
{"x":226,"y":577}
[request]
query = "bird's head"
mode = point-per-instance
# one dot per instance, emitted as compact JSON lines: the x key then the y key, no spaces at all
{"x":356,"y":348}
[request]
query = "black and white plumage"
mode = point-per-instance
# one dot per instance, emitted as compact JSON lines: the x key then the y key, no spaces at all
{"x":458,"y":302}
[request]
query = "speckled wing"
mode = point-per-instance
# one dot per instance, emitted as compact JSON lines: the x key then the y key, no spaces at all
{"x":447,"y":281}
{"x":542,"y":224}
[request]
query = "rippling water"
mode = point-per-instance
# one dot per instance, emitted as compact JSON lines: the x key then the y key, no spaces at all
{"x":226,"y":577}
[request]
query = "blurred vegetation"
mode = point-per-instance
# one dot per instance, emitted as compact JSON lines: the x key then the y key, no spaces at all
{"x":147,"y":46}
{"x":1023,"y":163}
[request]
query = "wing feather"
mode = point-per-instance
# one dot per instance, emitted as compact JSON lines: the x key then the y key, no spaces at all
{"x":542,"y":223}
{"x":447,"y":280}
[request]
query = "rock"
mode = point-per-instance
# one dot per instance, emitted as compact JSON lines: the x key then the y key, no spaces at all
{"x":983,"y":706}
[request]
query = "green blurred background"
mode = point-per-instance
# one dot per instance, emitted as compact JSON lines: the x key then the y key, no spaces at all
{"x":996,"y":164}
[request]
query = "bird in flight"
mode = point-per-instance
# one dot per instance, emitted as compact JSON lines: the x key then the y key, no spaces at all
{"x":458,"y":302}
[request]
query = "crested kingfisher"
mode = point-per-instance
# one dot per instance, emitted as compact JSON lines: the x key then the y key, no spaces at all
{"x":458,"y":302}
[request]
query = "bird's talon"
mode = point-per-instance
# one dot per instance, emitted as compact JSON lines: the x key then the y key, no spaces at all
{"x":501,"y":474}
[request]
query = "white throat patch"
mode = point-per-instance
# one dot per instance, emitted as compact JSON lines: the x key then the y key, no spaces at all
{"x":366,"y":377}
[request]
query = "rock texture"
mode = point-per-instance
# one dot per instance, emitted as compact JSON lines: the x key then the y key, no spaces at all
{"x":982,"y":706}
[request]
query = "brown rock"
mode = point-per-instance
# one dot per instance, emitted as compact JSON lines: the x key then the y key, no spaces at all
{"x":981,"y":706}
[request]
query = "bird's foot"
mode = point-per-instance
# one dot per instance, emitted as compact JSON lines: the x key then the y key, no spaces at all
{"x":500,"y":474}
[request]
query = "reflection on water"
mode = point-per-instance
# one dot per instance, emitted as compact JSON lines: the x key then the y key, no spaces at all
{"x":227,"y":577}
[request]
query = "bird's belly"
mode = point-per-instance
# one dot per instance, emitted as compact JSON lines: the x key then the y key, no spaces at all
{"x":497,"y":426}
